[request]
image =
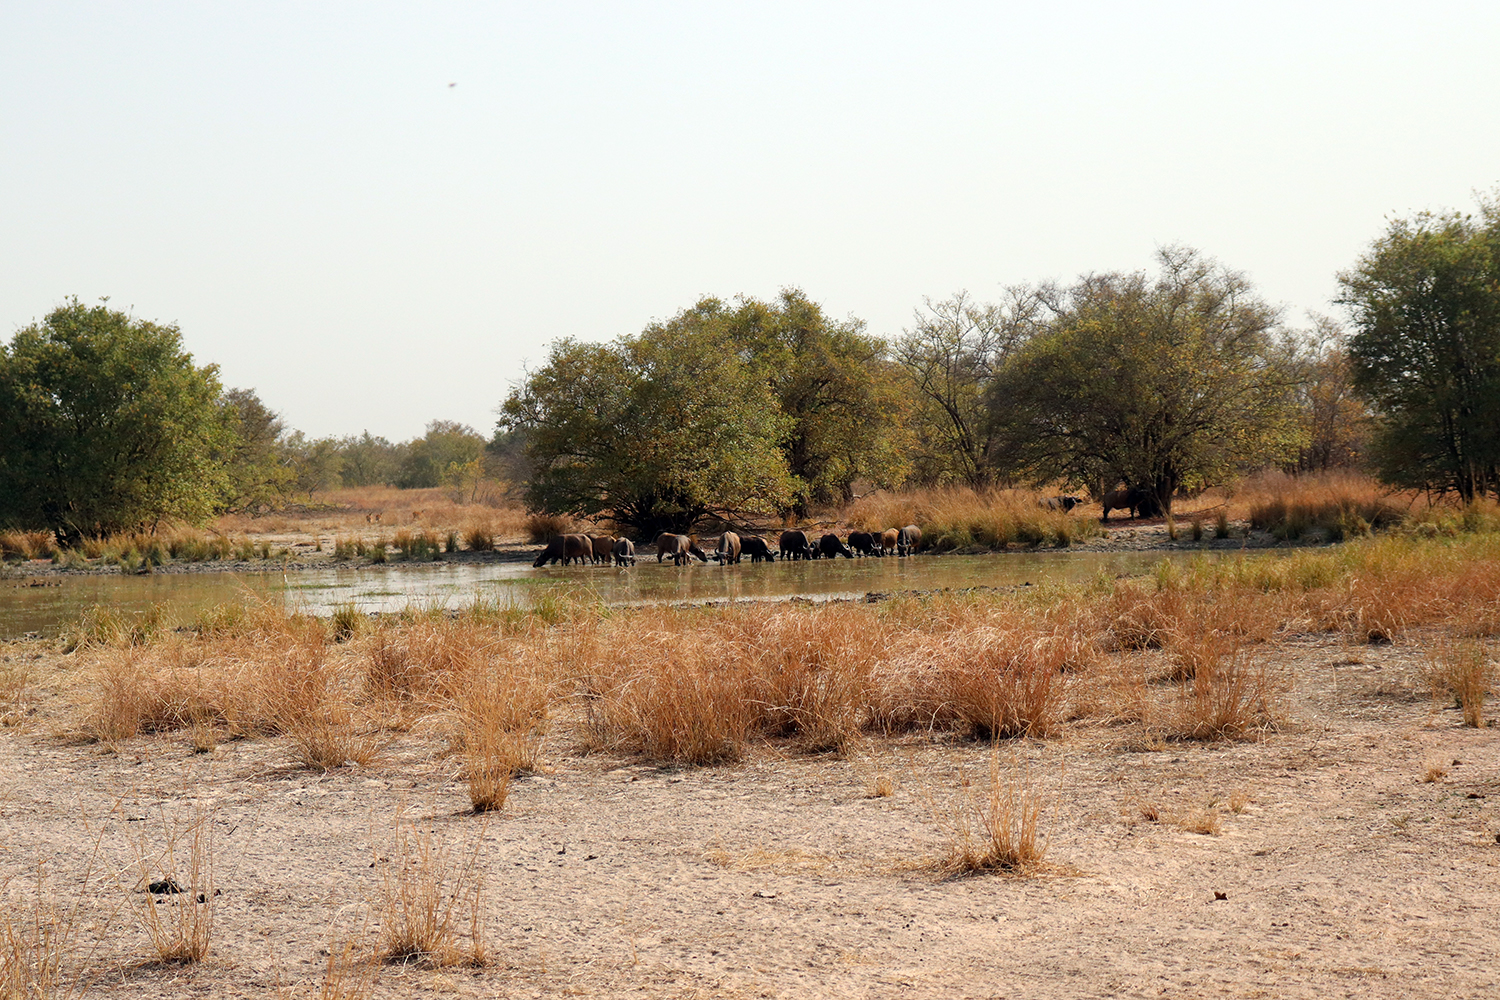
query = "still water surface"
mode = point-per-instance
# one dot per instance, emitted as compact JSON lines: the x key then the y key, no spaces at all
{"x":383,"y":588}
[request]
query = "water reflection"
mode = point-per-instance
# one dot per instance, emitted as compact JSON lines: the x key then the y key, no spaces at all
{"x":184,"y":595}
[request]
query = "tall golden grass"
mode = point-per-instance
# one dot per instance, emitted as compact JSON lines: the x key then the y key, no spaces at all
{"x":1340,"y":504}
{"x":430,"y":890}
{"x":962,"y":518}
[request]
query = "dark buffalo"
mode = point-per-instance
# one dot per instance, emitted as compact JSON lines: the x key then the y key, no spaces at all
{"x":794,"y":545}
{"x":624,"y":552}
{"x":907,"y":540}
{"x":603,"y":547}
{"x":679,"y":547}
{"x":756,"y":548}
{"x":1061,"y":503}
{"x":1136,"y":499}
{"x":865,"y":543}
{"x":829,"y":547}
{"x":566,"y":548}
{"x":729,"y":548}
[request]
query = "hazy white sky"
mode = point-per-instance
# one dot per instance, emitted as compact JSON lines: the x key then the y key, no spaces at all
{"x":300,"y":188}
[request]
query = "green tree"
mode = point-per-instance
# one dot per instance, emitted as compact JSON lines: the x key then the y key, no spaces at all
{"x":312,"y":464}
{"x":369,"y":460}
{"x":108,"y":425}
{"x":656,"y":431}
{"x":843,"y":399}
{"x":447,"y":443}
{"x":1158,"y":382}
{"x":254,"y":460}
{"x":1334,"y":421}
{"x":1425,"y":301}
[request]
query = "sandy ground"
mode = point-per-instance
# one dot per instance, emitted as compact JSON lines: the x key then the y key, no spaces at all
{"x":1343,"y":872}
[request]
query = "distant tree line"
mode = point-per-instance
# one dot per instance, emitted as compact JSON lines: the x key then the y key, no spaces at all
{"x":107,"y":425}
{"x":1166,"y":380}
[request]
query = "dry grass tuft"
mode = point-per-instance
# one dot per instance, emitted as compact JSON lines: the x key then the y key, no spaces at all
{"x":479,"y":536}
{"x":540,"y":527}
{"x":683,"y":706}
{"x":1004,"y":684}
{"x":998,"y":830}
{"x":429,"y":891}
{"x":27,"y":545}
{"x":1232,"y":699}
{"x":502,"y":718}
{"x":1465,"y":672}
{"x":42,"y":955}
{"x":176,"y":888}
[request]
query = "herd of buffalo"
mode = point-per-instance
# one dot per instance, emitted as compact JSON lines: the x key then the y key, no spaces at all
{"x":732,"y":547}
{"x":796,"y":544}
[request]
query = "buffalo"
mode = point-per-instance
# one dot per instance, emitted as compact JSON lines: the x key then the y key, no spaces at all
{"x":865,"y":543}
{"x":907,"y":540}
{"x":603,"y":547}
{"x":756,"y":548}
{"x":729,"y":548}
{"x":566,"y":548}
{"x":794,"y":545}
{"x":1061,"y":503}
{"x":829,"y":547}
{"x":888,"y":539}
{"x":679,"y":547}
{"x":624,"y":552}
{"x":1136,"y":499}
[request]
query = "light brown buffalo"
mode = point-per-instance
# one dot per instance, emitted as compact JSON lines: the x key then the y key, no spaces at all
{"x":566,"y":548}
{"x":603,"y":547}
{"x":679,"y":547}
{"x":729,"y":548}
{"x":908,"y":539}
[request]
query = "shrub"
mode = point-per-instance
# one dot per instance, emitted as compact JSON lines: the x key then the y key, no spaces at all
{"x":479,"y":537}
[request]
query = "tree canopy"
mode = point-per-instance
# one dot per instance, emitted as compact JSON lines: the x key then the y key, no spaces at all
{"x":1425,"y":301}
{"x":655,"y":431}
{"x":108,"y":425}
{"x":1157,"y":381}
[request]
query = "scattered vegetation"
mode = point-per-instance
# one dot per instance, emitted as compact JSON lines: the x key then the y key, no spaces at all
{"x":175,"y":889}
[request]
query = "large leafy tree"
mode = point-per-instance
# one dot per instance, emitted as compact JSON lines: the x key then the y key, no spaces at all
{"x":1425,"y":301}
{"x":1155,"y":381}
{"x":108,"y":425}
{"x":656,"y":431}
{"x":843,"y":399}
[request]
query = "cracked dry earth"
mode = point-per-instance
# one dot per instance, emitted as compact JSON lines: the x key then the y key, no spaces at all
{"x":1344,"y":871}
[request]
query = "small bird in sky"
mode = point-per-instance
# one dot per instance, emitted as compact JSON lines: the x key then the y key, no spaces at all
{"x":453,"y":85}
